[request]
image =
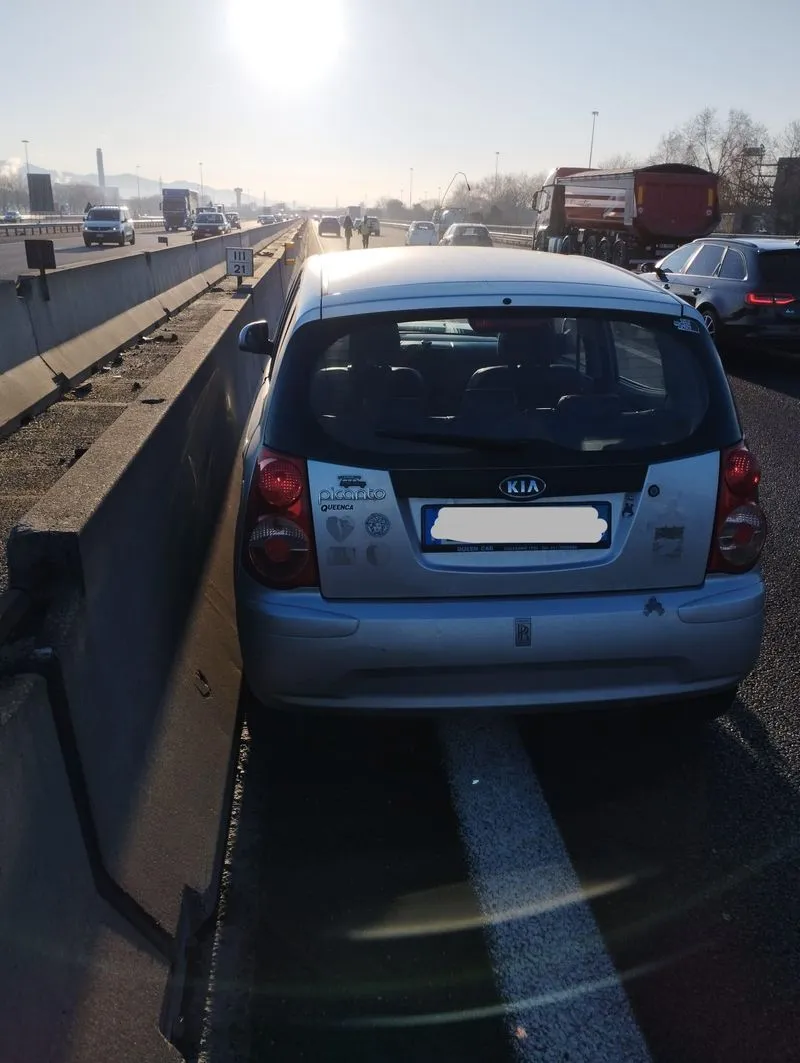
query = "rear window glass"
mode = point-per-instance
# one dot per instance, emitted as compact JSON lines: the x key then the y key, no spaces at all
{"x":393,"y":390}
{"x":780,"y":269}
{"x":423,"y":224}
{"x":211,"y":219}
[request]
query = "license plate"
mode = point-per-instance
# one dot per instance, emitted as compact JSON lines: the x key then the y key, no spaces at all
{"x":543,"y":526}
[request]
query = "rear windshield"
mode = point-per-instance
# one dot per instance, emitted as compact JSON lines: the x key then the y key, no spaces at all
{"x":210,"y":219}
{"x":455,"y":390}
{"x":423,"y":224}
{"x":780,"y":269}
{"x":103,"y":214}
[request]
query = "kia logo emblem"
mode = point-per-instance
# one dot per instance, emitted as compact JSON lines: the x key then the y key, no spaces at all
{"x":522,"y":488}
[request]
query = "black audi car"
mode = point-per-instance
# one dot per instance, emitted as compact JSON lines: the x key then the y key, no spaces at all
{"x":746,"y":287}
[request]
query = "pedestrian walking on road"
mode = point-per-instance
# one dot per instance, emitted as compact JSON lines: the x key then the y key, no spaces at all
{"x":364,"y":232}
{"x":348,"y":230}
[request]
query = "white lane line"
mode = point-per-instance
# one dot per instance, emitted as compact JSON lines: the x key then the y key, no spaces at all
{"x":564,"y":997}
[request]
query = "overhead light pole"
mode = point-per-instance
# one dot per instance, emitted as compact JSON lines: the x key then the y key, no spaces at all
{"x":458,"y":173}
{"x":591,"y":143}
{"x":410,"y":187}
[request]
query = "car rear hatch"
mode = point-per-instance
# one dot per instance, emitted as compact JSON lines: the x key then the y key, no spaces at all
{"x":513,"y":456}
{"x":774,"y":298}
{"x":676,"y":202}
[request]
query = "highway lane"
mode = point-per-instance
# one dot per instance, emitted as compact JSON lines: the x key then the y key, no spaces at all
{"x":71,"y":250}
{"x":419,"y":888}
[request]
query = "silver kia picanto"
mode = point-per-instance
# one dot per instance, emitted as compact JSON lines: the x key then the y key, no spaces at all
{"x":488,"y":479}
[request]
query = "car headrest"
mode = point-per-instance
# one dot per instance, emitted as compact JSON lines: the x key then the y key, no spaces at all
{"x":379,"y":342}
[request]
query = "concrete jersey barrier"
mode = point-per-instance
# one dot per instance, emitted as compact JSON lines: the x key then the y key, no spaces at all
{"x":49,"y":344}
{"x":151,"y":680}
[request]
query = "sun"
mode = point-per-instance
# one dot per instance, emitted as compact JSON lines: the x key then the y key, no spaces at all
{"x":290,"y":46}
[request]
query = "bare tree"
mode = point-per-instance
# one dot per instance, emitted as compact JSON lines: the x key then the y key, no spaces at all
{"x":621,"y":161}
{"x":787,"y":142}
{"x":726,"y":147}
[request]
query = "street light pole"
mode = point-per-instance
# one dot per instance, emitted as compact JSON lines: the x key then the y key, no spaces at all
{"x":591,"y":145}
{"x":411,"y":187}
{"x":458,"y":173}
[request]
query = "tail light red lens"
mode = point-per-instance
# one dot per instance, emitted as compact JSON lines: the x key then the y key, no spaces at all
{"x":740,"y":527}
{"x":278,"y":544}
{"x":768,"y":299}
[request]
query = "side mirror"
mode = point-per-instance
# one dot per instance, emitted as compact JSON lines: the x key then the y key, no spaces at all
{"x":254,"y":338}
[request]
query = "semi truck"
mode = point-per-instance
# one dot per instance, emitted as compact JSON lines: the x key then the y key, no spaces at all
{"x":627,"y":217}
{"x":179,"y":206}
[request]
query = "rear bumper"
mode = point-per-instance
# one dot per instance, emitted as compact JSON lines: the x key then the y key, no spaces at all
{"x":511,"y":654}
{"x":775,"y":334}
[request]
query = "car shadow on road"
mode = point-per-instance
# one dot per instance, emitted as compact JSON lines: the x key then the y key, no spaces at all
{"x":766,"y":368}
{"x":367,"y":939}
{"x":700,"y":829}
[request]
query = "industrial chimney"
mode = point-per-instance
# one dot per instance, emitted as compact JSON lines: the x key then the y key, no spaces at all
{"x":238,"y":194}
{"x":101,"y":174}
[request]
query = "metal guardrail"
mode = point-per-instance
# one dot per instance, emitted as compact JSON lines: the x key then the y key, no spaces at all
{"x":38,"y":228}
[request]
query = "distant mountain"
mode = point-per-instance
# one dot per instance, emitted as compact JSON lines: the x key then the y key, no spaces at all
{"x":127,"y":184}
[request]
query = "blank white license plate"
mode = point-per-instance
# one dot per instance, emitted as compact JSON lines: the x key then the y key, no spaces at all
{"x":571,"y":526}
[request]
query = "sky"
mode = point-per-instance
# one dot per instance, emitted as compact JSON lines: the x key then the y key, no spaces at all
{"x":315,"y":101}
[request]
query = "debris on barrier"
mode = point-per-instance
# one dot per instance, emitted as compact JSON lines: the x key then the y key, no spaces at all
{"x":202,"y":684}
{"x":136,"y":386}
{"x":82,"y":390}
{"x":151,"y":402}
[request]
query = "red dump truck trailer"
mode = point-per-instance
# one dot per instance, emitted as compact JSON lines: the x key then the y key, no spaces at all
{"x":625,"y":216}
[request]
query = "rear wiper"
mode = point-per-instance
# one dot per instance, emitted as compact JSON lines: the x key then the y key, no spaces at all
{"x":455,"y":440}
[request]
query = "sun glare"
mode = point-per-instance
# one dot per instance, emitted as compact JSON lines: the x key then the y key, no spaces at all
{"x":290,"y":46}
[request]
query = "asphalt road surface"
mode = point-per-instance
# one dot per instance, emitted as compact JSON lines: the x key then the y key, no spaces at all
{"x":575,"y":890}
{"x":71,"y":250}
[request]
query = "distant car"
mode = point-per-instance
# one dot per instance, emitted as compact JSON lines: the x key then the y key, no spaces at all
{"x":373,"y":223}
{"x":329,"y":226}
{"x":12,"y":217}
{"x":233,"y":220}
{"x":464,"y":234}
{"x":210,"y":223}
{"x":746,"y":287}
{"x":266,"y":219}
{"x":108,"y":225}
{"x":494,"y":482}
{"x":421,"y":232}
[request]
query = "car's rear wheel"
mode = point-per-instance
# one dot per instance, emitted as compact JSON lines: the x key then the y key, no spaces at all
{"x":133,"y":238}
{"x":711,"y":322}
{"x":121,"y":240}
{"x":87,"y":241}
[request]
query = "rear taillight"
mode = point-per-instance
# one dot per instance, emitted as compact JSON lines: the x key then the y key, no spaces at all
{"x":740,"y":526}
{"x":768,"y":299}
{"x":278,"y":544}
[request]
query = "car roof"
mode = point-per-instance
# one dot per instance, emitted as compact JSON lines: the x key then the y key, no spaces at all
{"x":760,"y":243}
{"x":353,"y":282}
